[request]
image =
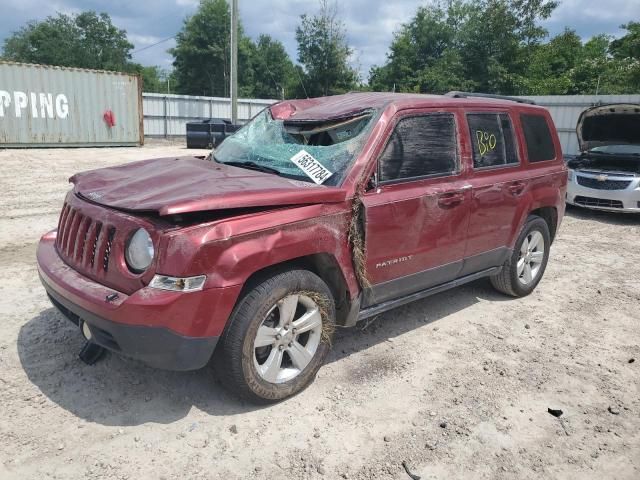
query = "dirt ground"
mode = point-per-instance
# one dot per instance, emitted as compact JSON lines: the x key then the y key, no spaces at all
{"x":457,"y":385}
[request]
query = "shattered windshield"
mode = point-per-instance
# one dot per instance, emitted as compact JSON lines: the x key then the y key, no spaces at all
{"x":321,"y":152}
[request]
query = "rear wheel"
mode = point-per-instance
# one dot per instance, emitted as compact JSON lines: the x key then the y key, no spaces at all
{"x":278,"y":337}
{"x":522,"y":272}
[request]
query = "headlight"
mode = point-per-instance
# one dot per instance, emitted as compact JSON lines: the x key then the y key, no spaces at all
{"x":178,"y":284}
{"x":570,"y":175}
{"x":139,"y":252}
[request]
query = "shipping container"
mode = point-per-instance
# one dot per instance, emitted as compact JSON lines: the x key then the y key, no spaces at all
{"x":44,"y":106}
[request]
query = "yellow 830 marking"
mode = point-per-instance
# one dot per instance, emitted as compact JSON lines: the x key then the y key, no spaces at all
{"x":486,"y":141}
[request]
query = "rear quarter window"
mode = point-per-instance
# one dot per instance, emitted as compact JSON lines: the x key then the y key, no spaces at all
{"x":538,"y":138}
{"x":492,"y":139}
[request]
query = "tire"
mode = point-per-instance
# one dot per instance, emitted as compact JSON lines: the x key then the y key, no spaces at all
{"x":513,"y":278}
{"x":249,"y":370}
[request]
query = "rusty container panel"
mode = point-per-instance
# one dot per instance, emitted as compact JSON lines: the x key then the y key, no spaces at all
{"x":43,"y":106}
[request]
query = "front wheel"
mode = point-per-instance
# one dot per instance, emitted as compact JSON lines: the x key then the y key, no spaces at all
{"x":522,"y":272}
{"x":278,"y":337}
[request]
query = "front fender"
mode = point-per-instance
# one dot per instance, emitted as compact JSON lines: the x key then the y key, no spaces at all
{"x":230,"y":252}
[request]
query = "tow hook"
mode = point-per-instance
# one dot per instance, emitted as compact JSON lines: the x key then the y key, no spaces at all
{"x":111,"y":297}
{"x":91,"y":352}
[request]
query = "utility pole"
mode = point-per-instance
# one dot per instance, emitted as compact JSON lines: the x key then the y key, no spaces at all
{"x":234,"y":61}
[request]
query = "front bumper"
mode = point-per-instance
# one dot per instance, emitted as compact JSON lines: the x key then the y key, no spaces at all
{"x":167,"y":330}
{"x":626,"y":200}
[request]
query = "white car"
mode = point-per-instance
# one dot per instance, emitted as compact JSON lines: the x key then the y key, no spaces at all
{"x":606,"y":174}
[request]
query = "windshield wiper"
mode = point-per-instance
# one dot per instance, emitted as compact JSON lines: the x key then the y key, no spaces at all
{"x":253,"y":166}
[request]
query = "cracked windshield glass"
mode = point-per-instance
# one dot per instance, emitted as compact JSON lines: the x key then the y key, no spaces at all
{"x":327,"y":147}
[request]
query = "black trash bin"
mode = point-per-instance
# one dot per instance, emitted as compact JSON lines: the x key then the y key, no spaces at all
{"x":209,"y":133}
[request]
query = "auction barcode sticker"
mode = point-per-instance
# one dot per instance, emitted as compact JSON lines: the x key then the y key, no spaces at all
{"x":311,"y":167}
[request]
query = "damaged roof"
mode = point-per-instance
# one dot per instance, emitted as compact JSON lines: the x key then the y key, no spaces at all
{"x":350,"y":104}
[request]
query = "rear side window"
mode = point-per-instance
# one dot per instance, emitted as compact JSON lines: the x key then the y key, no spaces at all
{"x":420,"y":146}
{"x":492,"y":138}
{"x":538,"y":138}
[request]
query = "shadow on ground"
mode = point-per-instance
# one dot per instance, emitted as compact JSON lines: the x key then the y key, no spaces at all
{"x":122,"y":392}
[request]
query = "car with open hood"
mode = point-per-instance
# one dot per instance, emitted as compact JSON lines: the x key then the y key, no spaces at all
{"x":606,"y":173}
{"x":318,"y":213}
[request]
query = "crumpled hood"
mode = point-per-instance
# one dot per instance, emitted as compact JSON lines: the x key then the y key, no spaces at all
{"x":614,"y":124}
{"x":170,"y":186}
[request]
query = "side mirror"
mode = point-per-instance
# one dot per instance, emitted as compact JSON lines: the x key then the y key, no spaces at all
{"x":372,"y":184}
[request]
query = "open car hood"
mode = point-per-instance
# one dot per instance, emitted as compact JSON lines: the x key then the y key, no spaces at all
{"x":614,"y":124}
{"x":171,"y":186}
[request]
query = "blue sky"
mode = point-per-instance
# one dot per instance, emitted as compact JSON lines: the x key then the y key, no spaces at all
{"x":370,"y":23}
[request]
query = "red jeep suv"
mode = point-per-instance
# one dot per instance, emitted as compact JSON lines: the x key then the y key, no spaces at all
{"x":319,"y":212}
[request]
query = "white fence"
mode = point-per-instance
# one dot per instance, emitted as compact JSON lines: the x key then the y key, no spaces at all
{"x":565,"y":110}
{"x":166,"y":115}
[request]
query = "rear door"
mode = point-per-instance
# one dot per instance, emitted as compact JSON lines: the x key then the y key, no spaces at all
{"x":498,"y":182}
{"x":416,"y":220}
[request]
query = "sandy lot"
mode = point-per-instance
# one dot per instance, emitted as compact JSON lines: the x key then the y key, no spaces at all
{"x":457,"y":385}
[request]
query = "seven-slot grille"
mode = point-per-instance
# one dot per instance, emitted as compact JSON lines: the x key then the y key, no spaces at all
{"x":594,"y":183}
{"x":83,"y":242}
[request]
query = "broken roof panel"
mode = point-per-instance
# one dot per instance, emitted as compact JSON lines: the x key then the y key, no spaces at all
{"x":347,"y":105}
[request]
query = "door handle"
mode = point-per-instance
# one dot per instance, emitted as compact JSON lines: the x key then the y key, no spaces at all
{"x":450,"y":199}
{"x":516,"y":188}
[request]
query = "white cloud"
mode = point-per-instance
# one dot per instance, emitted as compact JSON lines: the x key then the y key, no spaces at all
{"x":370,"y":23}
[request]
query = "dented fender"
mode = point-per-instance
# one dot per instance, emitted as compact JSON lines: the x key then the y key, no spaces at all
{"x":231,"y":250}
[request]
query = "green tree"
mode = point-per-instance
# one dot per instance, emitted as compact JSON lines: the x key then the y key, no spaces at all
{"x":202,"y":53}
{"x":627,"y":46}
{"x":482,"y":45}
{"x":86,"y":40}
{"x":423,"y":56}
{"x":554,"y":65}
{"x":324,"y":53}
{"x":566,"y":66}
{"x":153,"y":78}
{"x":273,"y":70}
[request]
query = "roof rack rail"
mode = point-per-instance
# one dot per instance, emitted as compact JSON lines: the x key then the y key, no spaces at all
{"x":456,"y":94}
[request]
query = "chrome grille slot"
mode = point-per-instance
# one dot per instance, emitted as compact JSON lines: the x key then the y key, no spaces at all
{"x":90,"y":240}
{"x":107,"y":252}
{"x":95,"y":243}
{"x":83,"y":231}
{"x":67,"y":229}
{"x":73,"y":234}
{"x":61,"y":222}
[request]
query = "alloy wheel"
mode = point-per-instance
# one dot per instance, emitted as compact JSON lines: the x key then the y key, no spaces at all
{"x":287,"y":338}
{"x":531,"y":257}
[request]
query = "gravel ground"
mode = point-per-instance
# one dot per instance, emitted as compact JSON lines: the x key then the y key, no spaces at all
{"x":457,"y":385}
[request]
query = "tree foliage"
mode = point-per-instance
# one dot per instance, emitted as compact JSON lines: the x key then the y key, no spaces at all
{"x":494,"y":46}
{"x":498,"y":46}
{"x":274,"y":72}
{"x":324,"y":53}
{"x":86,"y":40}
{"x":202,"y":53}
{"x":265,"y":69}
{"x":480,"y":45}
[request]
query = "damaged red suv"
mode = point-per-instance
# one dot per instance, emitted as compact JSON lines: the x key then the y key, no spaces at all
{"x":317,"y":213}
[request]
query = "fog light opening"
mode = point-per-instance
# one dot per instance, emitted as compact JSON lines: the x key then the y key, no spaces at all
{"x":86,"y":331}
